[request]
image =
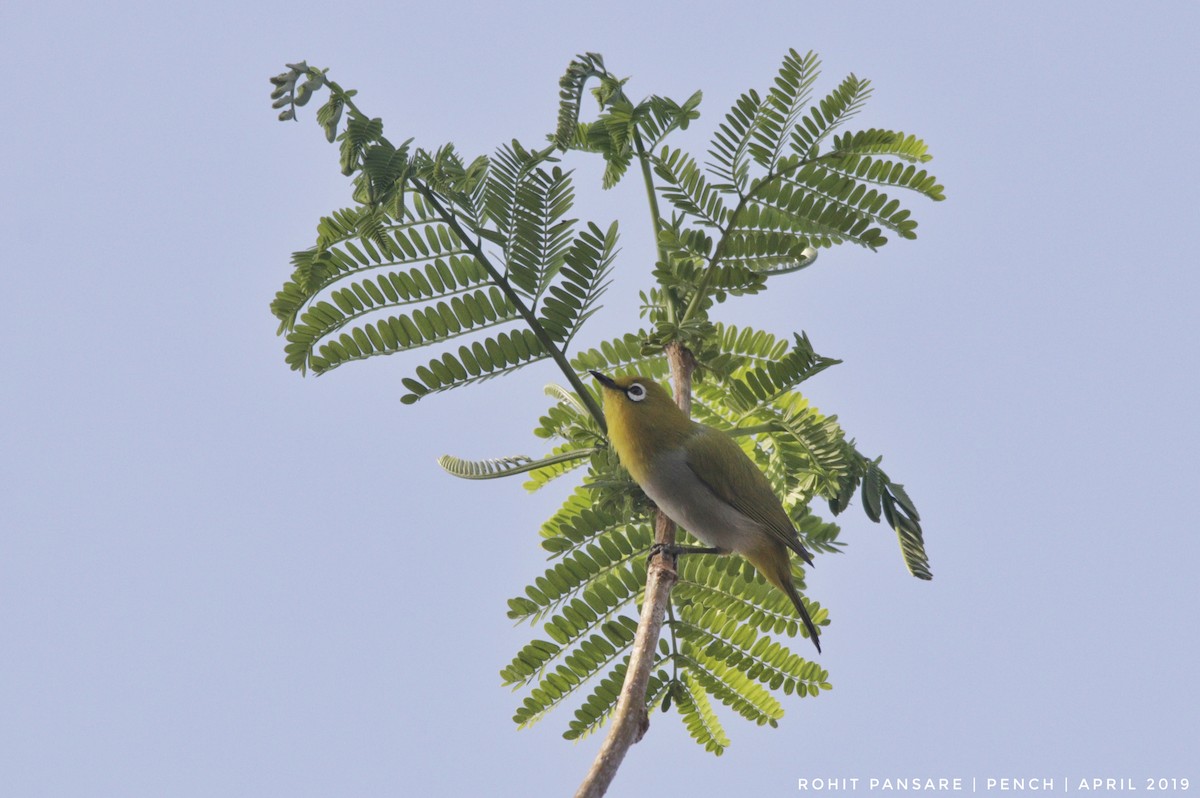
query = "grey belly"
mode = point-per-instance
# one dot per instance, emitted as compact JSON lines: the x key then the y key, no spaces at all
{"x":690,"y":503}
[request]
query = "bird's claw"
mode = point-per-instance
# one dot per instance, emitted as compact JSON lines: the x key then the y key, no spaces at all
{"x":663,"y":550}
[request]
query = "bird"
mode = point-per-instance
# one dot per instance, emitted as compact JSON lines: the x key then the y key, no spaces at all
{"x":703,"y":481}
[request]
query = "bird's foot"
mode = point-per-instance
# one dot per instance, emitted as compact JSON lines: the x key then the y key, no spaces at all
{"x":663,"y":550}
{"x":673,"y":551}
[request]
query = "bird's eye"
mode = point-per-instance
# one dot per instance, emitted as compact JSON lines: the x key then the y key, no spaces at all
{"x":636,"y":392}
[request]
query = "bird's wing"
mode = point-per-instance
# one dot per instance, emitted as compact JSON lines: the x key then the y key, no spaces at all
{"x":717,"y":461}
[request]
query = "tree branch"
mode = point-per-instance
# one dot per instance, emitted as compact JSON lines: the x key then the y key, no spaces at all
{"x":630,"y":719}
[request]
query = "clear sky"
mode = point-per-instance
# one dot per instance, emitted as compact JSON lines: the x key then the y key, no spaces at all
{"x":218,"y":578}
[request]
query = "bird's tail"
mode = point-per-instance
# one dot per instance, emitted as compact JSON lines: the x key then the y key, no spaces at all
{"x":790,"y":589}
{"x":778,"y":572}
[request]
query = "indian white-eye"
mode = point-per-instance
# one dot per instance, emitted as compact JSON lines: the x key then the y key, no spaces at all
{"x":703,"y":481}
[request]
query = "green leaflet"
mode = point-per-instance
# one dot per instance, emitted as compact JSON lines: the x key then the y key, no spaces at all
{"x":840,"y":190}
{"x":588,"y":657}
{"x":731,"y":142}
{"x":659,"y":116}
{"x":622,"y":130}
{"x":882,"y":171}
{"x":766,"y":382}
{"x":360,"y":131}
{"x":482,"y":360}
{"x":731,"y":585}
{"x":528,"y":204}
{"x":625,"y":355}
{"x":562,"y":460}
{"x":506,"y":466}
{"x":577,"y":521}
{"x":883,"y":498}
{"x":821,"y":221}
{"x":425,"y":326}
{"x":686,"y":188}
{"x":783,"y":106}
{"x":822,"y":119}
{"x":768,"y":252}
{"x":584,"y":67}
{"x":691,"y":697}
{"x":740,"y":346}
{"x":882,"y":142}
{"x":584,"y":274}
{"x":342,"y":250}
{"x":597,"y":578}
{"x":730,"y":685}
{"x":610,"y":135}
{"x":723,"y":638}
{"x":691,"y":270}
{"x":596,"y":708}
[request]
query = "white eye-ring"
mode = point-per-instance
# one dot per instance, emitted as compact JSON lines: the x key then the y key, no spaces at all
{"x":636,"y":392}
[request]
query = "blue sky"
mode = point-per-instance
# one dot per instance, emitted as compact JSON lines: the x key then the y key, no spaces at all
{"x":219,"y":579}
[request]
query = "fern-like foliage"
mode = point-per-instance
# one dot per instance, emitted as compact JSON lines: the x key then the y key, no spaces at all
{"x":289,"y":93}
{"x":478,"y":260}
{"x":439,"y":249}
{"x":623,"y":130}
{"x":782,"y":108}
{"x":687,"y":189}
{"x":508,"y":466}
{"x":774,"y":194}
{"x":725,"y":643}
{"x":882,"y":496}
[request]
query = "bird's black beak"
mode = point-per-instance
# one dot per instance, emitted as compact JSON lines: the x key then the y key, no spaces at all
{"x":607,"y":382}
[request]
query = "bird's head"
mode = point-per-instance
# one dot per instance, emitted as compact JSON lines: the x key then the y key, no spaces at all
{"x":639,"y":394}
{"x":641,"y":415}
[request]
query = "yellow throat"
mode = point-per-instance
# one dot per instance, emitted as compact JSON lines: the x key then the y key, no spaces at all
{"x":643,"y":421}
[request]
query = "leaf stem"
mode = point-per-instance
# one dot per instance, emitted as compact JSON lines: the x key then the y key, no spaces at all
{"x":652,"y":201}
{"x":702,"y":288}
{"x":757,"y":429}
{"x":671,"y":622}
